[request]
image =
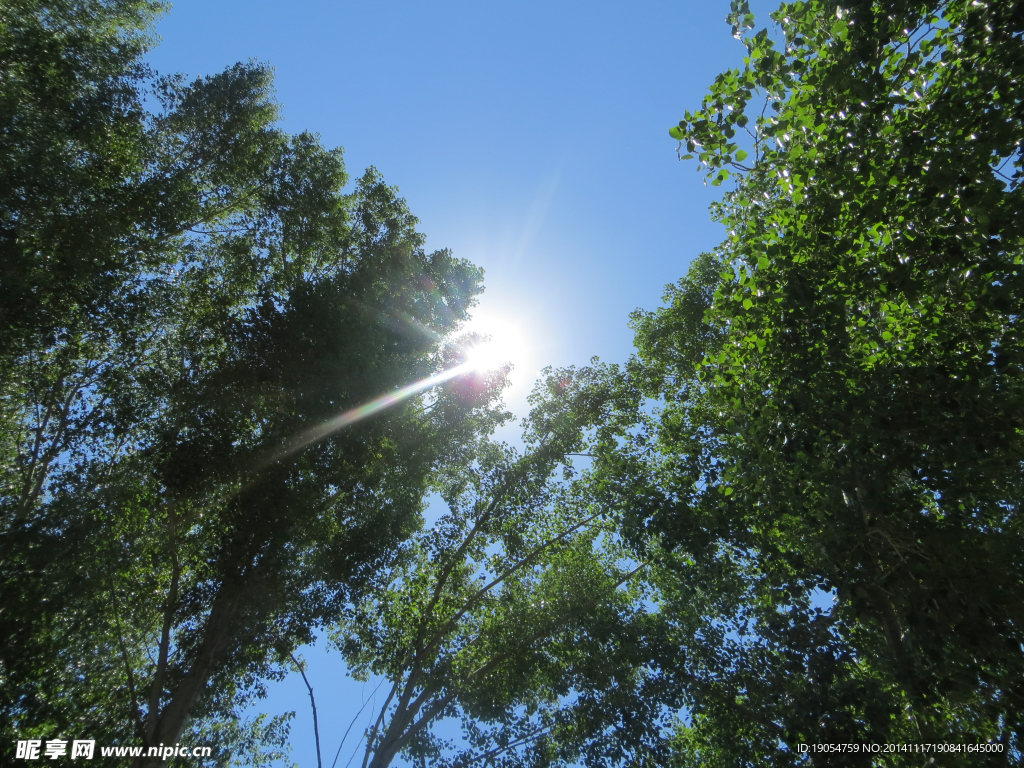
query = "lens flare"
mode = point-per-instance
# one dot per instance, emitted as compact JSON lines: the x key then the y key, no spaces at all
{"x":498,"y":343}
{"x":322,"y":430}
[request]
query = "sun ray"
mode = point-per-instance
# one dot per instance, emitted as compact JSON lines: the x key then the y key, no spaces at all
{"x":360,"y":412}
{"x":498,"y":343}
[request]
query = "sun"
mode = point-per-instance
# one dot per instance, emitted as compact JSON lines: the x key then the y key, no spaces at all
{"x":502,"y":343}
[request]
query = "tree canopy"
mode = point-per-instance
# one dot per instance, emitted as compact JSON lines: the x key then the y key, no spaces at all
{"x":836,"y":467}
{"x":187,"y":293}
{"x":521,"y":613}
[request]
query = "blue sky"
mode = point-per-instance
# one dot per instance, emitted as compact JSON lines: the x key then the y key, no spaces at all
{"x":529,"y":137}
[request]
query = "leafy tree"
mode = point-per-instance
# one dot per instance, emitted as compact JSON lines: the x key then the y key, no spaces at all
{"x":520,"y":613}
{"x":93,"y":185}
{"x":841,"y":391}
{"x":178,"y":327}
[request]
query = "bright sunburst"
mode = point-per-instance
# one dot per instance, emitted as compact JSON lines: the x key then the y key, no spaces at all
{"x":502,"y":343}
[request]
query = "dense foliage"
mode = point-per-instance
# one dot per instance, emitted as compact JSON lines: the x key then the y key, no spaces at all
{"x":520,"y":613}
{"x":837,"y":464}
{"x":186,"y":293}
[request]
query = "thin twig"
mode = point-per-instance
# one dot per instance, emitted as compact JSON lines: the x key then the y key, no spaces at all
{"x":517,"y":743}
{"x":312,"y":702}
{"x":371,"y":733}
{"x":347,"y":730}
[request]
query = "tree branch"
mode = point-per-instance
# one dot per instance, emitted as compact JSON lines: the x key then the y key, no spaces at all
{"x":312,"y":702}
{"x":522,"y":563}
{"x":170,"y":607}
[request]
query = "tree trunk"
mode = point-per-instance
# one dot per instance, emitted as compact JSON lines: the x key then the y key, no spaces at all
{"x":218,"y":630}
